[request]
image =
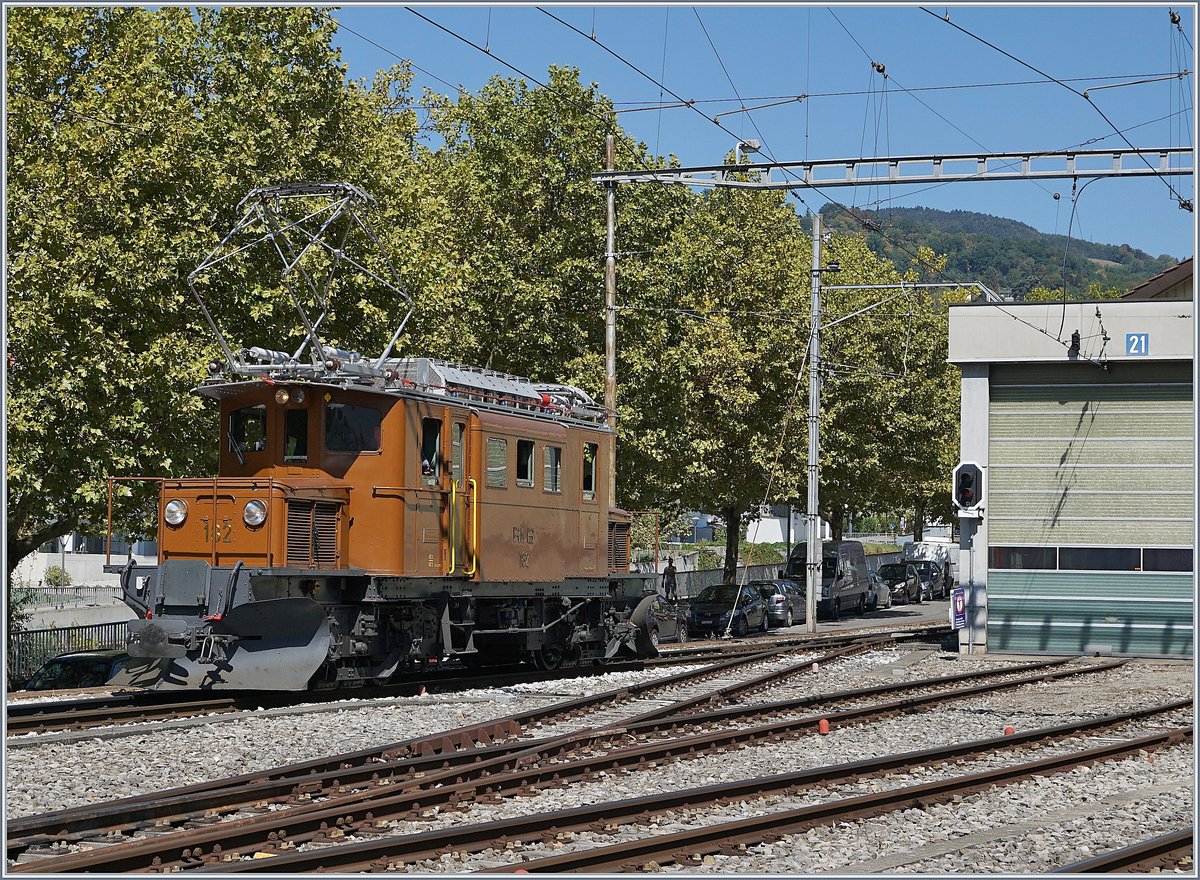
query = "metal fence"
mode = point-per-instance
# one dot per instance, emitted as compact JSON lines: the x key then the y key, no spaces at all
{"x":28,"y":650}
{"x":49,"y":596}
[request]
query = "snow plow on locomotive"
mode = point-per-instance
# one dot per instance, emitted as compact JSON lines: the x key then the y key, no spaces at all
{"x":375,"y":516}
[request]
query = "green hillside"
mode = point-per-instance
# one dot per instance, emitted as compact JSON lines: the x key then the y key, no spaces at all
{"x":1006,"y":255}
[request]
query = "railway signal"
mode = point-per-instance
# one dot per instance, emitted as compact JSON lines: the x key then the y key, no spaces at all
{"x":968,"y":489}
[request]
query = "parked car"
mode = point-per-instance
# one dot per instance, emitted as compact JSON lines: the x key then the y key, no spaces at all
{"x":878,"y":596}
{"x":668,"y":622}
{"x":713,"y":608}
{"x":78,"y":669}
{"x":933,"y":584}
{"x":902,"y":582}
{"x":785,"y":601}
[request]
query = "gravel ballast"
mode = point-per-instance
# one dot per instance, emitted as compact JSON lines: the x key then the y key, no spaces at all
{"x":1024,"y":827}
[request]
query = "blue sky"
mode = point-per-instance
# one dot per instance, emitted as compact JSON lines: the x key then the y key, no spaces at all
{"x":773,"y":52}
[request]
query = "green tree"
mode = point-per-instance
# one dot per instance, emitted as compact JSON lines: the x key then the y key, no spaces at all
{"x":132,"y":136}
{"x":711,"y":360}
{"x":518,"y":226}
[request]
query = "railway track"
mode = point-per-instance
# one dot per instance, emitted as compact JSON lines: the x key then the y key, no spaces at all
{"x":148,"y":706}
{"x":365,"y":844}
{"x":307,"y":805}
{"x":1158,"y":854}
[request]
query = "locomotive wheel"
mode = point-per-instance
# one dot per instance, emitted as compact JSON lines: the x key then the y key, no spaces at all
{"x":548,"y":657}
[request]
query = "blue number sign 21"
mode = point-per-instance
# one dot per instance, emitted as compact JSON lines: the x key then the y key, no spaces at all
{"x":1137,"y":344}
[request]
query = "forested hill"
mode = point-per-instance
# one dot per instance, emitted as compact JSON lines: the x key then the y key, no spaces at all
{"x":1006,"y":255}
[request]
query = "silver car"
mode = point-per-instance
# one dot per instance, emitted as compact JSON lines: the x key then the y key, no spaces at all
{"x":878,"y":596}
{"x":785,"y":601}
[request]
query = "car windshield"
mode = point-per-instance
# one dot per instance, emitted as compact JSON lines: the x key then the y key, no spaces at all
{"x":893,"y":570}
{"x":721,"y":594}
{"x":70,"y":673}
{"x":798,"y":563}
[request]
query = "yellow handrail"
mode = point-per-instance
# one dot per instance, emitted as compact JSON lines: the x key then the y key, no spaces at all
{"x":474,"y":528}
{"x":453,"y":497}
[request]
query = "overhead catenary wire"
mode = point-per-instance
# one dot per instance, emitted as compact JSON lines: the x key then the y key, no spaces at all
{"x":1013,"y":164}
{"x":853,"y":93}
{"x":838,"y":205}
{"x":880,"y":68}
{"x":1185,"y":204}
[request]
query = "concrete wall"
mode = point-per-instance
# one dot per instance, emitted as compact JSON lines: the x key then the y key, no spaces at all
{"x":1029,"y":332}
{"x":83,"y":568}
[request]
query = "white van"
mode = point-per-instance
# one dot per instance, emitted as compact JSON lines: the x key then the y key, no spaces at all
{"x":843,"y":576}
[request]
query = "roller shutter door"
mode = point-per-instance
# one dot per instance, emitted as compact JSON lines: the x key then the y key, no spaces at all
{"x":1090,"y":509}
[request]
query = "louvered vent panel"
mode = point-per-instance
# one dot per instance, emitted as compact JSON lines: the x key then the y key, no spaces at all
{"x":312,"y":529}
{"x":618,"y":546}
{"x":299,"y":534}
{"x":325,"y":535}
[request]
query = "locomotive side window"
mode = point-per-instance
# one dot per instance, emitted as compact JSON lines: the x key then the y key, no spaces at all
{"x":248,"y":430}
{"x":350,"y":428}
{"x":295,"y":443}
{"x":456,"y":453}
{"x":552,"y":481}
{"x":431,"y":450}
{"x":497,"y":463}
{"x":525,"y":463}
{"x":590,"y":452}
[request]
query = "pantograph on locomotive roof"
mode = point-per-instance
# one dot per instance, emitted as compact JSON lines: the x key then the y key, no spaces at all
{"x":315,"y":230}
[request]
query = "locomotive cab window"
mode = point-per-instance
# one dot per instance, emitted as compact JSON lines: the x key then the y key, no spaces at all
{"x":295,"y":442}
{"x":553,"y":470}
{"x":497,"y":463}
{"x":248,"y":430}
{"x":431,"y":450}
{"x":350,"y":428}
{"x":525,"y":463}
{"x":590,"y":455}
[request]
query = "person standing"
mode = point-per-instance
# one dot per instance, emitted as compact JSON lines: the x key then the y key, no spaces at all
{"x":669,"y":587}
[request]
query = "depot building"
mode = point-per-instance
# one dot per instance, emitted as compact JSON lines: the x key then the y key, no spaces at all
{"x":1081,"y":418}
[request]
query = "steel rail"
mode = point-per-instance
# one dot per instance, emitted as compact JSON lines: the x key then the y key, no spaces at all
{"x":41,"y":716}
{"x":729,"y":836}
{"x":384,"y":852}
{"x":77,"y":717}
{"x":1144,"y":854}
{"x":183,"y":804}
{"x":467,"y":739}
{"x":495,"y":774}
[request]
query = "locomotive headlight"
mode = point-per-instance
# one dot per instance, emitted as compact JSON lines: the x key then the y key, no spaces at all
{"x":254,"y":513}
{"x":281,"y":396}
{"x":298,"y":397}
{"x":175,"y":512}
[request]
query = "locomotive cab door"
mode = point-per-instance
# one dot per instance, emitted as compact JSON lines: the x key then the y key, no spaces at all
{"x":462,"y":514}
{"x":428,"y":493}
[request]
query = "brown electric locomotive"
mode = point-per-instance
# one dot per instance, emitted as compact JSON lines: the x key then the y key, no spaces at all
{"x":376,"y":515}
